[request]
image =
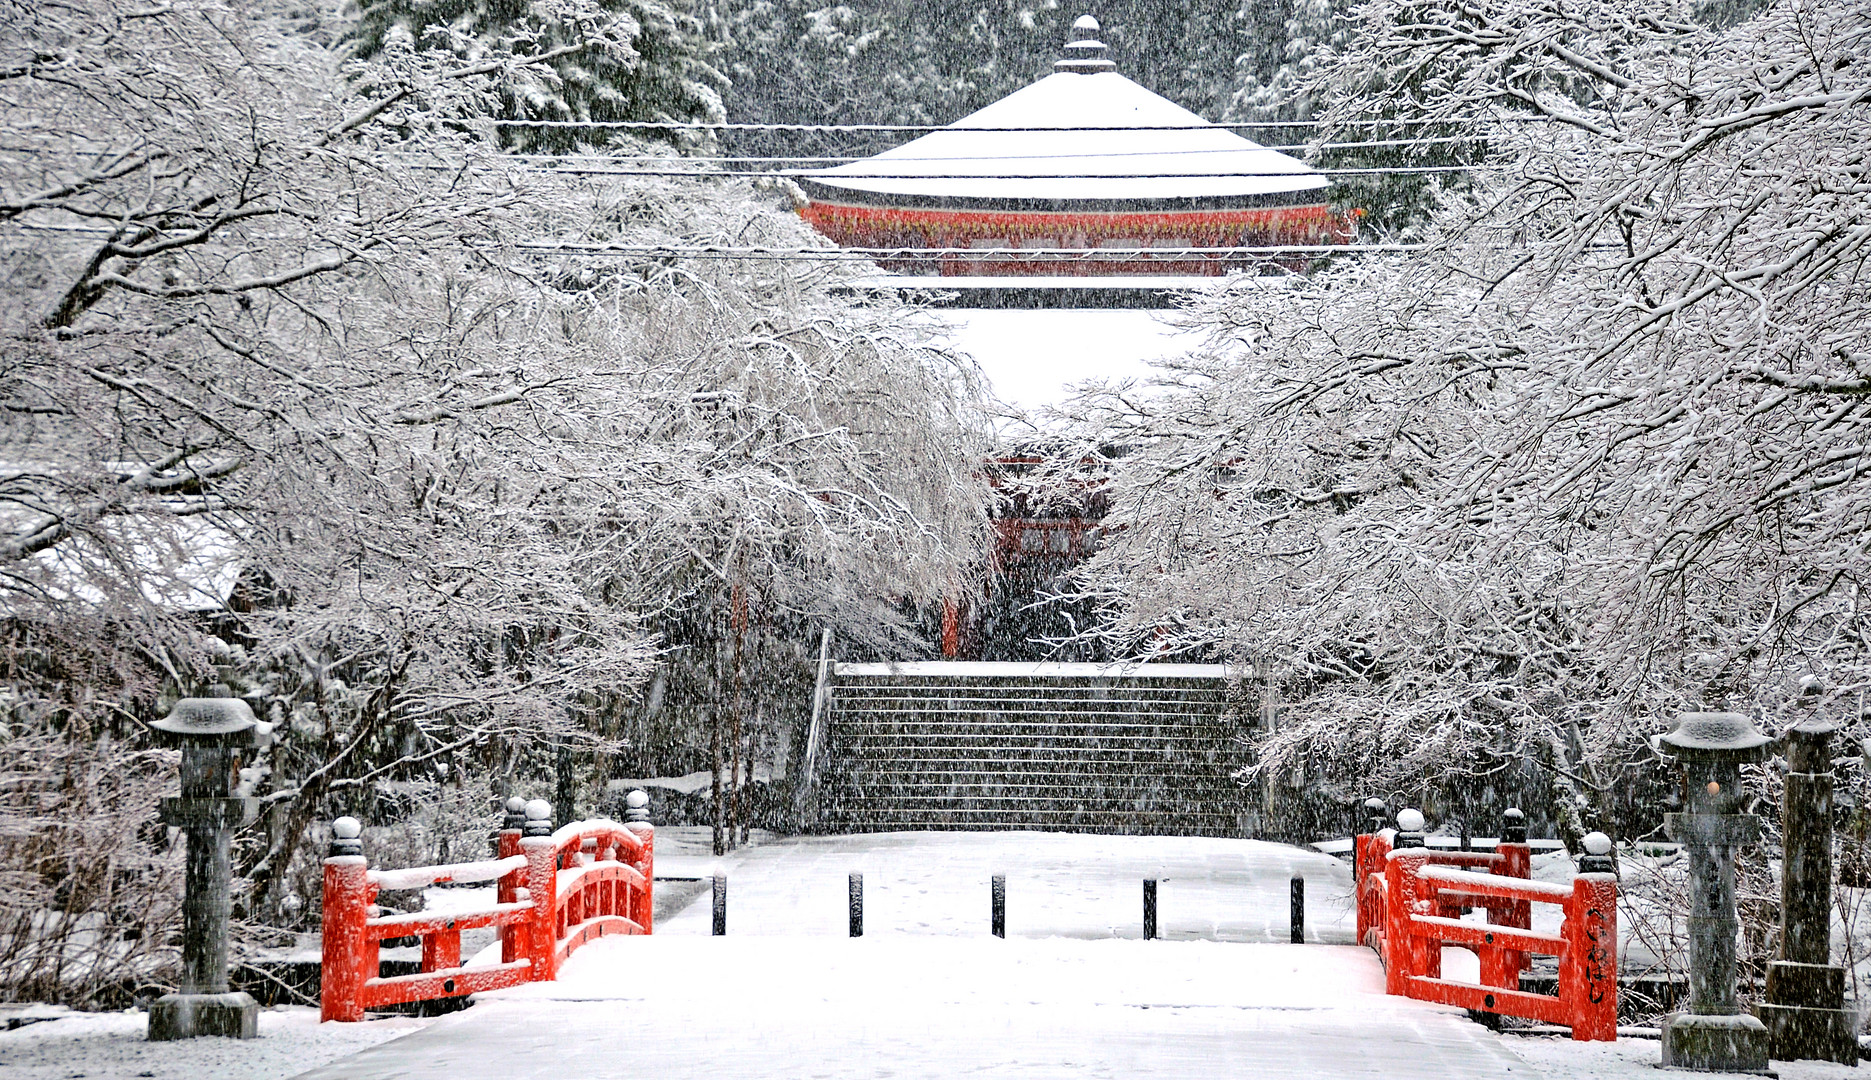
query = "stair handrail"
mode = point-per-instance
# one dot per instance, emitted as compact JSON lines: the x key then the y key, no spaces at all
{"x":821,"y":688}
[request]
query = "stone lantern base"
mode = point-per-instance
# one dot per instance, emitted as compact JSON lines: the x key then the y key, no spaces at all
{"x":1805,"y":1014}
{"x":1735,"y":1043}
{"x":184,"y":1016}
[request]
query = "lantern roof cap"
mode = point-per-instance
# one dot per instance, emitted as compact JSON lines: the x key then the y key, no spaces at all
{"x":221,"y":720}
{"x":1716,"y":736}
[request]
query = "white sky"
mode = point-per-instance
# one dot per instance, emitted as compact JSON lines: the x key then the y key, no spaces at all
{"x":1033,"y":358}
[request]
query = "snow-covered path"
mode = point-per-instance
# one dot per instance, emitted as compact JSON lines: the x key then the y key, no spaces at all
{"x":927,"y":992}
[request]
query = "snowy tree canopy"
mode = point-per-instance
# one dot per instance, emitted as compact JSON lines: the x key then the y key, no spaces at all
{"x":291,"y":320}
{"x":1596,"y":455}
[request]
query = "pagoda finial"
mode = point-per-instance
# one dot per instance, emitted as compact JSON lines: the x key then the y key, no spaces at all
{"x":1084,"y":53}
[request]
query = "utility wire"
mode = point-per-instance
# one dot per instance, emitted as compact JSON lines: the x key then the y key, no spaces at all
{"x":703,"y":125}
{"x":761,"y":159}
{"x":834,"y":178}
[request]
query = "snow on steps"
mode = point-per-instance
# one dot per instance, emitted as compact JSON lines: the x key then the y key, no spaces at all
{"x":1073,"y":747}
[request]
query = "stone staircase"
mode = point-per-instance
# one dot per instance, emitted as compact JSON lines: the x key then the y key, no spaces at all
{"x":1142,"y":749}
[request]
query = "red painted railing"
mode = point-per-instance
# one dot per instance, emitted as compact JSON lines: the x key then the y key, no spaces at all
{"x":1410,"y":902}
{"x":554,"y":891}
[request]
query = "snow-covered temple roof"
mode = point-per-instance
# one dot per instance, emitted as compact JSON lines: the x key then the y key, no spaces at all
{"x":997,"y":153}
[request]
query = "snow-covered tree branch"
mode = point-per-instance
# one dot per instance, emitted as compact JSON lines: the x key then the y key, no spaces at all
{"x":1596,"y":456}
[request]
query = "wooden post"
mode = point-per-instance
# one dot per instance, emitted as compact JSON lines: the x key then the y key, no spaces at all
{"x":637,"y":821}
{"x":1404,"y":952}
{"x":1297,"y":920}
{"x":542,"y":884}
{"x":855,"y":897}
{"x":1149,"y":908}
{"x":505,"y":890}
{"x":736,"y":809}
{"x":721,"y":905}
{"x":347,"y":956}
{"x":1588,"y":972}
{"x":997,"y":918}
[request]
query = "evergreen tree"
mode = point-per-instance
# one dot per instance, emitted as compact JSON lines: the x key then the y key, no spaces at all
{"x":1286,"y":42}
{"x":933,"y":62}
{"x":616,"y":60}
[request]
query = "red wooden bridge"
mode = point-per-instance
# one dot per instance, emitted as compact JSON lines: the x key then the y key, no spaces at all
{"x":1410,"y":903}
{"x":555,"y":890}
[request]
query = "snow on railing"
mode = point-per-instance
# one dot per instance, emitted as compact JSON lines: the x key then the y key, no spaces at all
{"x":554,"y":891}
{"x":1410,"y":902}
{"x":421,"y":877}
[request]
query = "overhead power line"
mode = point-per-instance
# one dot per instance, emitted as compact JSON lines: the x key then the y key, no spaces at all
{"x":836,"y":159}
{"x":1256,"y":125}
{"x":834,"y":178}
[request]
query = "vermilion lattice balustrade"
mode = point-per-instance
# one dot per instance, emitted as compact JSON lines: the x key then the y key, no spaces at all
{"x":1410,"y":902}
{"x":555,"y":890}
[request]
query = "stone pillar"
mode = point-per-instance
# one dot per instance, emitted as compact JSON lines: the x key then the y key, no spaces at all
{"x":1805,"y":1010}
{"x":1714,"y":1035}
{"x":212,"y":733}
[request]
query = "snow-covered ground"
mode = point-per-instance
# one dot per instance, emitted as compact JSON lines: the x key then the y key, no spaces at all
{"x":927,"y":992}
{"x":112,"y":1046}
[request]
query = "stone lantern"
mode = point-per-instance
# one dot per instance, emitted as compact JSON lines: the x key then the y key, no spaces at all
{"x":1714,"y":1035}
{"x":1805,"y":1009}
{"x":213,"y":734}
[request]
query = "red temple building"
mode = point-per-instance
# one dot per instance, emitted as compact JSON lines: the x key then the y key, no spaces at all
{"x":1091,"y":172}
{"x":1082,"y":190}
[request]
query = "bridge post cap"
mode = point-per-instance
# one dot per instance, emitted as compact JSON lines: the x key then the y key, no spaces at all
{"x":1597,"y":857}
{"x":1374,"y":803}
{"x":539,"y":818}
{"x":1513,"y":813}
{"x":345,"y":832}
{"x":1410,"y":819}
{"x":637,"y":799}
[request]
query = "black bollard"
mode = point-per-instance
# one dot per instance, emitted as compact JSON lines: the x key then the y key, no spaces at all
{"x":721,"y":905}
{"x":1299,"y":910}
{"x":857,"y":905}
{"x":998,"y":920}
{"x":1149,"y":908}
